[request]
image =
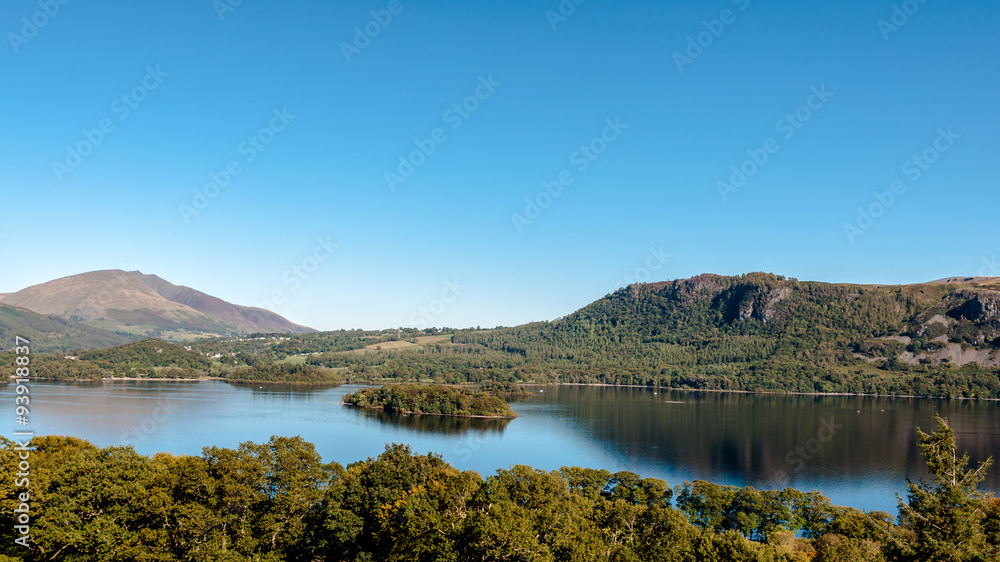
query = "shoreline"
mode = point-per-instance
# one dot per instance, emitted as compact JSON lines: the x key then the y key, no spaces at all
{"x":772,"y":392}
{"x":193,"y":379}
{"x":384,"y":382}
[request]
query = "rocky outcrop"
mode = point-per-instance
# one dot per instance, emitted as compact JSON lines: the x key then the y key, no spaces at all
{"x":702,"y":285}
{"x":955,"y":354}
{"x":982,"y":307}
{"x":758,"y":302}
{"x":777,"y":295}
{"x":744,"y":300}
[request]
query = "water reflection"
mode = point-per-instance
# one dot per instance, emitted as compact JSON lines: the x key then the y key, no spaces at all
{"x":776,"y":440}
{"x":449,"y":425}
{"x":289,"y":391}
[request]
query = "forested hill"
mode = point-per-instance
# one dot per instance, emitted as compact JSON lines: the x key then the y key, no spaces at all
{"x":761,"y":331}
{"x":147,"y":353}
{"x":51,"y":333}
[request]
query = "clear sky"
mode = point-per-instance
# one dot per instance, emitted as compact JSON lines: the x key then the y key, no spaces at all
{"x":644,"y":111}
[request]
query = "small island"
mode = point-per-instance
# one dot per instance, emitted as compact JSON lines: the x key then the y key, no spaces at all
{"x":437,"y":400}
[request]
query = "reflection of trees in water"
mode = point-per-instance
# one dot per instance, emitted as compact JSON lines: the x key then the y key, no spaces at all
{"x":287,"y":391}
{"x":450,"y":425}
{"x":773,"y":438}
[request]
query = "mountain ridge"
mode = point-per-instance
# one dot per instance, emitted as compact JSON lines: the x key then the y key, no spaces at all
{"x":761,"y":331}
{"x":144,"y":305}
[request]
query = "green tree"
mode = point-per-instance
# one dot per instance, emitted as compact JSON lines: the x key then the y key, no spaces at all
{"x":947,"y":514}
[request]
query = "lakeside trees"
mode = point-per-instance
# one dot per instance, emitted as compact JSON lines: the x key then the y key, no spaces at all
{"x":279,"y":501}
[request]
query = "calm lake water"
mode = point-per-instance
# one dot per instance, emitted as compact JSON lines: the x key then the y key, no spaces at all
{"x":858,"y":451}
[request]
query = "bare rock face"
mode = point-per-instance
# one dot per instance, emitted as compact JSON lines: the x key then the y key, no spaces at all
{"x":777,"y":295}
{"x":699,"y":287}
{"x":746,"y":302}
{"x":982,"y":307}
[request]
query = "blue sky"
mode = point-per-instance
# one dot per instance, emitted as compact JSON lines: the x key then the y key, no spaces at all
{"x":694,"y":90}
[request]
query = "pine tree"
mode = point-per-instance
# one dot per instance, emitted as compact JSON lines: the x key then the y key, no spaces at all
{"x":946,"y":514}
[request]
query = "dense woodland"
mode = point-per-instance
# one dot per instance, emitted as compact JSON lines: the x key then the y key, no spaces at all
{"x":425,"y":399}
{"x":279,"y":501}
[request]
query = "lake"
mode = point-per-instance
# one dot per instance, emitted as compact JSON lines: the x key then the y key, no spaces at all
{"x":856,"y":450}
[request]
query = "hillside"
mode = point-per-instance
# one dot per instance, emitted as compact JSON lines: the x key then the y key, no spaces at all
{"x":144,"y":306}
{"x":147,"y":353}
{"x":49,"y":333}
{"x":761,"y":331}
{"x":752,"y":332}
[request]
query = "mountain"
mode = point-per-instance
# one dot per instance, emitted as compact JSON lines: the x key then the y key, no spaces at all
{"x":144,"y":305}
{"x":766,"y":332}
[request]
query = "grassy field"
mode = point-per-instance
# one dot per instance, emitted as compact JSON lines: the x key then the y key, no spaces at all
{"x":422,"y":340}
{"x":387,"y":345}
{"x":294,"y":360}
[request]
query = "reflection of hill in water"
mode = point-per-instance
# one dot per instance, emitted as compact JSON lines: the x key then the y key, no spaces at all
{"x":753,"y":437}
{"x":450,"y":425}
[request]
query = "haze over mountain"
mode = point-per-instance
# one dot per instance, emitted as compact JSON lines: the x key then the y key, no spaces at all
{"x":132,"y":303}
